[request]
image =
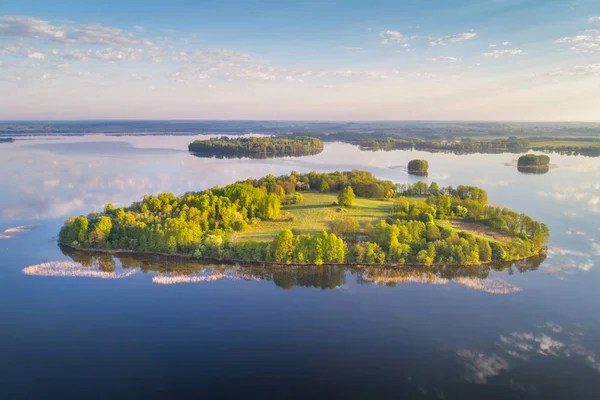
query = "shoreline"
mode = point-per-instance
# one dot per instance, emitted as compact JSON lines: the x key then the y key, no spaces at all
{"x":242,"y":263}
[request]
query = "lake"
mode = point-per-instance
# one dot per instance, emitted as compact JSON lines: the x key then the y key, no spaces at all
{"x":78,"y":326}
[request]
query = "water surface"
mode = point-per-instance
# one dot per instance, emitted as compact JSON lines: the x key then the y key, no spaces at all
{"x":77,"y":325}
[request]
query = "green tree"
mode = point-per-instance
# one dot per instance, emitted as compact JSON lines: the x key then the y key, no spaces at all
{"x":283,"y":246}
{"x":346,"y":197}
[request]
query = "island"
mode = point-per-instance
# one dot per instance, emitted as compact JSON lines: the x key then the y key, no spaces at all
{"x":315,"y":219}
{"x":418,"y":167}
{"x":533,"y":164}
{"x":256,"y":147}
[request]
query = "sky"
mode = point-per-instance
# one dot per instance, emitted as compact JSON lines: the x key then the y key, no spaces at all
{"x":532,"y":60}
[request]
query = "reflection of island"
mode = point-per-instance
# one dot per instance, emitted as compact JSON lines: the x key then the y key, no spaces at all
{"x":168,"y":271}
{"x":541,"y":170}
{"x":256,"y":147}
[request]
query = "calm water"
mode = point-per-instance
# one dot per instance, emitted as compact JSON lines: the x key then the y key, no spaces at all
{"x":76,"y":326}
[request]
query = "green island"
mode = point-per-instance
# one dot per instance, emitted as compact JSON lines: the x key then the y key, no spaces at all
{"x":418,"y":167}
{"x":352,"y":218}
{"x":533,"y":164}
{"x":256,"y":147}
{"x":534,"y":161}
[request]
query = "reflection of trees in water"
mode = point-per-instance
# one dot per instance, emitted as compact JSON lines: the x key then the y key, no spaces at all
{"x":534,"y":170}
{"x":173,"y":270}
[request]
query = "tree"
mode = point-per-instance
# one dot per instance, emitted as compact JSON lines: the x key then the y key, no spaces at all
{"x":324,"y":186}
{"x":434,"y":188}
{"x":283,"y":246}
{"x":346,"y":197}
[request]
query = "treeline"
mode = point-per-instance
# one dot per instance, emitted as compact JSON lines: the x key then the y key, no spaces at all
{"x":257,"y":147}
{"x":6,"y":140}
{"x":462,"y":145}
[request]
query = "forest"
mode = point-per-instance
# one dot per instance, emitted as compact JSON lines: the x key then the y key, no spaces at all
{"x":256,"y":147}
{"x":426,"y":224}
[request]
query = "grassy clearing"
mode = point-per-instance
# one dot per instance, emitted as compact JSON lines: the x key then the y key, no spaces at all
{"x":314,"y":215}
{"x":480,"y":230}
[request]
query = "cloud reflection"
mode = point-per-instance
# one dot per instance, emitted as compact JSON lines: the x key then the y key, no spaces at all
{"x":74,"y":269}
{"x":16,"y":231}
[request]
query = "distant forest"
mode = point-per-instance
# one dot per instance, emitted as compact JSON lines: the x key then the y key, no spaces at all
{"x":416,"y":129}
{"x":257,"y":147}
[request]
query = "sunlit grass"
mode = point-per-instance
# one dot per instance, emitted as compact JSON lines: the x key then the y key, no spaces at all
{"x":314,"y":215}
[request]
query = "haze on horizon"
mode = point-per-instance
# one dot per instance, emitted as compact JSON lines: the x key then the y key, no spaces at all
{"x":520,"y":60}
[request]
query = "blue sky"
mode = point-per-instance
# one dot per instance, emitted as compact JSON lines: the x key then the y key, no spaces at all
{"x":489,"y":60}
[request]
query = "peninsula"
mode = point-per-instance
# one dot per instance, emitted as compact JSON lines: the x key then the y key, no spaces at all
{"x":353,"y":218}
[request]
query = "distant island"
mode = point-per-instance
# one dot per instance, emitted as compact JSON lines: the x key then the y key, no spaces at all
{"x":315,"y":219}
{"x":6,"y":140}
{"x":533,"y":164}
{"x":257,"y":147}
{"x":418,"y":167}
{"x":534,"y":161}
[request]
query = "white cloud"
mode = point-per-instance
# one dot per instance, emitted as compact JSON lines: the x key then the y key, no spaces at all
{"x":84,"y":34}
{"x":138,"y":28}
{"x":444,"y":59}
{"x":578,"y":70}
{"x":140,"y":77}
{"x":587,"y":43}
{"x":352,"y":48}
{"x":29,"y":28}
{"x":459,"y":37}
{"x":392,"y":37}
{"x":506,"y":43}
{"x":109,"y":54}
{"x":500,"y":53}
{"x":594,"y":19}
{"x":36,"y":55}
{"x":51,"y":183}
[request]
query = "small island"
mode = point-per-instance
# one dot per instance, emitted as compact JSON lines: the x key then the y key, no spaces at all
{"x":256,"y":147}
{"x":316,"y":219}
{"x":418,"y":167}
{"x":534,"y":164}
